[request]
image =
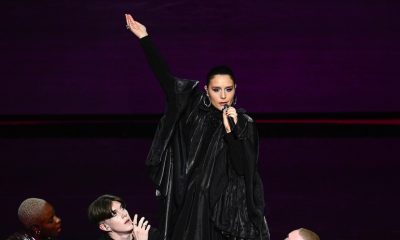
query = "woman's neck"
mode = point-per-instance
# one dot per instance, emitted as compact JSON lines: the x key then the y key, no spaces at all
{"x":121,"y":236}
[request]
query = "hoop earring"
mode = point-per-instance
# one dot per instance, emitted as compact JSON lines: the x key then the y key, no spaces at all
{"x":209,"y":101}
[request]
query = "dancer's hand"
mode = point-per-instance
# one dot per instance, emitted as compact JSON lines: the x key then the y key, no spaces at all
{"x":231,"y":112}
{"x":140,"y":229}
{"x":135,"y":27}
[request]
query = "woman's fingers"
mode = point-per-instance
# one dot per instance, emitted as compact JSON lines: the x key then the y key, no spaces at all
{"x":129,"y":21}
{"x":140,"y":224}
{"x":231,"y":111}
{"x":135,"y":27}
{"x":147,"y":227}
{"x":128,"y":18}
{"x":134,"y":23}
{"x":145,"y":223}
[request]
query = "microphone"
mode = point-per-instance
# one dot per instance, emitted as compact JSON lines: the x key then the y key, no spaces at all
{"x":231,"y":122}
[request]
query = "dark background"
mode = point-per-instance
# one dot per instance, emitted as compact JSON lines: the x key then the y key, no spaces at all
{"x":74,"y":66}
{"x":63,"y":57}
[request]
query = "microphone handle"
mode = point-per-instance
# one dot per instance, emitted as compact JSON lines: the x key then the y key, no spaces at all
{"x":232,"y":125}
{"x":231,"y":122}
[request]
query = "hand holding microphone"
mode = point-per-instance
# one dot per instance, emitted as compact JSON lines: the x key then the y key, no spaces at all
{"x":230,"y":119}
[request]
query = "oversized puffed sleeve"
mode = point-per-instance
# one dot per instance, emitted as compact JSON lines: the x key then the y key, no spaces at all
{"x":254,"y":186}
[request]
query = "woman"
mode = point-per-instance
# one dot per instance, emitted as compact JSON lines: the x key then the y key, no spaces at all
{"x":39,"y":220}
{"x":205,"y":172}
{"x":109,"y":214}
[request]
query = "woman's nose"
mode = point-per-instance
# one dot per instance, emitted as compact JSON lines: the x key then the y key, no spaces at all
{"x":223,"y":95}
{"x":124,"y":214}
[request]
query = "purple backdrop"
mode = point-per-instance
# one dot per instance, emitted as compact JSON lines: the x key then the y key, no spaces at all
{"x":61,"y":57}
{"x":76,"y":57}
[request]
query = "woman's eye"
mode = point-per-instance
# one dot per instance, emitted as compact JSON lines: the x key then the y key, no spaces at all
{"x":216,"y":89}
{"x":229,"y":89}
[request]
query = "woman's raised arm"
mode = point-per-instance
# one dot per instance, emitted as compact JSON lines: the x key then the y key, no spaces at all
{"x":156,"y":62}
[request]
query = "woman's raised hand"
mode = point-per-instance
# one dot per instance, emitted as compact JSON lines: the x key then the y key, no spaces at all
{"x":141,"y":228}
{"x":136,"y":27}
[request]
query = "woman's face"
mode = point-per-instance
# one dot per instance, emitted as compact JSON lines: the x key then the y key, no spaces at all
{"x":50,"y":224}
{"x":121,"y":222}
{"x":221,"y":90}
